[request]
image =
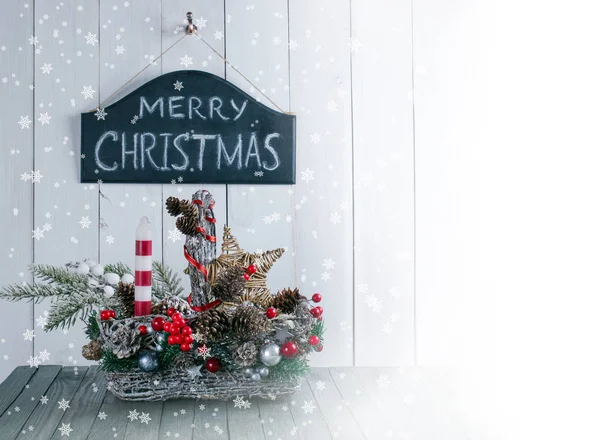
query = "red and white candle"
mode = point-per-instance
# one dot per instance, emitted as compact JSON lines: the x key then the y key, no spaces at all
{"x":143,"y":268}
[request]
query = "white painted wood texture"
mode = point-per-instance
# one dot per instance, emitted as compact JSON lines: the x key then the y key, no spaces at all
{"x":346,"y":224}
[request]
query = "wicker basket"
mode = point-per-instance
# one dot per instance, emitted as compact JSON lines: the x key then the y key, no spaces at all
{"x":175,"y":384}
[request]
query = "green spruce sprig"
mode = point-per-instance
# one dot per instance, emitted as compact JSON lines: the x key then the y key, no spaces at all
{"x":118,"y":268}
{"x":165,"y":282}
{"x":31,"y":292}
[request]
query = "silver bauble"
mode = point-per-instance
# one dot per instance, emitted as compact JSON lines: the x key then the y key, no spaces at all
{"x":148,"y":361}
{"x":248,"y":371}
{"x":263,"y":371}
{"x":255,"y":376}
{"x":128,"y":278}
{"x":270,"y":354}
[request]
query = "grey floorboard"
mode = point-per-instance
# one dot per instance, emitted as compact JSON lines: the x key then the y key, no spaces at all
{"x":115,"y":421}
{"x":137,"y":429}
{"x":177,"y":419}
{"x":244,"y":424}
{"x":331,"y":404}
{"x":45,"y":418}
{"x":21,"y":408}
{"x":210,"y":419}
{"x":277,"y":422}
{"x":309,"y":426}
{"x":13,"y":385}
{"x":84,"y":406}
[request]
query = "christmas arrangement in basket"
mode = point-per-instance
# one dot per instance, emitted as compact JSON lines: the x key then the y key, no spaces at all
{"x":229,"y":337}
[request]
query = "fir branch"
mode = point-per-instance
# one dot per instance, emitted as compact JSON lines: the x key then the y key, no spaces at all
{"x":110,"y":362}
{"x":318,"y":329}
{"x":289,"y":368}
{"x":92,"y":329}
{"x":59,"y":275}
{"x":64,"y":311}
{"x":118,"y":268}
{"x":165,"y":282}
{"x":32,"y":292}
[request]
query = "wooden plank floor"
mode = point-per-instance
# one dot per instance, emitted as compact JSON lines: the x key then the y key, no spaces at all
{"x":53,"y":402}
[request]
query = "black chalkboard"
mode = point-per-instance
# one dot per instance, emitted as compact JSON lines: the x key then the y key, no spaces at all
{"x":188,"y":127}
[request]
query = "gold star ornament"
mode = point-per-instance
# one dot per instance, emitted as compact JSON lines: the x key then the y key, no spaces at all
{"x":232,"y":255}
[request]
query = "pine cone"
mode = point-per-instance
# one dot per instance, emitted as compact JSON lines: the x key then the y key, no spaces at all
{"x":189,"y":210}
{"x":183,"y":361}
{"x":287,"y":300}
{"x":303,"y":321}
{"x":230,"y":284}
{"x":245,"y":355}
{"x":173,"y":206}
{"x":92,"y":351}
{"x":126,"y":296}
{"x":186,"y":225}
{"x":248,"y":322}
{"x":175,"y":302}
{"x":212,"y":324}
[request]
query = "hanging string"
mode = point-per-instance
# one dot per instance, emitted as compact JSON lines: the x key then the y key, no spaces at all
{"x":240,"y":73}
{"x":138,"y":74}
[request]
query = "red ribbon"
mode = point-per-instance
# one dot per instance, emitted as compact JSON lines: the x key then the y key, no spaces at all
{"x":194,"y":262}
{"x":212,"y":219}
{"x":205,"y":307}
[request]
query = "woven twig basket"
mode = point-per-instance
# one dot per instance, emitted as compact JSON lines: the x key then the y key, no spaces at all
{"x":174,"y":384}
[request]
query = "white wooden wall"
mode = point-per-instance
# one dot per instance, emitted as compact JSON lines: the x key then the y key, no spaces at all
{"x":344,"y":67}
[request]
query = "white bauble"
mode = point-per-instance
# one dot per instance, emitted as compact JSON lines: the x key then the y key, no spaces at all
{"x":97,"y":270}
{"x":128,"y":278}
{"x":90,"y":262}
{"x":109,"y":291}
{"x":82,"y":269}
{"x":112,"y":278}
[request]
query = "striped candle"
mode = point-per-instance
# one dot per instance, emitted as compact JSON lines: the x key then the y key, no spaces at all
{"x":143,"y":268}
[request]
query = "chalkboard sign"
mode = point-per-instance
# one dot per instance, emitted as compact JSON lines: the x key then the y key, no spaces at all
{"x":188,"y":127}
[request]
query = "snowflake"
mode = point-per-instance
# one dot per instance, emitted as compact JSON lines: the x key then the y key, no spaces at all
{"x":259,"y":173}
{"x":247,"y":404}
{"x":307,"y":174}
{"x":29,"y":335}
{"x":373,"y":303}
{"x":186,"y":61}
{"x":88,"y":92}
{"x":332,"y":106}
{"x":63,"y":404}
{"x":47,"y":68}
{"x":315,"y":138}
{"x":238,"y":402}
{"x":218,"y":35}
{"x":133,"y":415}
{"x":33,"y":40}
{"x":175,"y":235}
{"x":120,"y":50}
{"x":91,"y":39}
{"x":65,"y":429}
{"x":320,"y":385}
{"x":201,"y":22}
{"x":44,"y":400}
{"x":178,"y":85}
{"x":109,"y":239}
{"x":44,"y":355}
{"x":204,"y":352}
{"x":33,"y":362}
{"x":145,"y":418}
{"x":37,"y":234}
{"x":328,"y":264}
{"x":24,"y":122}
{"x":100,"y":114}
{"x":382,"y":381}
{"x":325,"y":276}
{"x":102,"y":415}
{"x":354,"y":45}
{"x":308,"y":407}
{"x":293,"y":45}
{"x":335,"y":218}
{"x":44,"y":118}
{"x":85,"y":222}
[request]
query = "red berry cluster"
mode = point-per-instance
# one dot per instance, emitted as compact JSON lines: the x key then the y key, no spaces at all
{"x":105,"y":315}
{"x":317,"y":312}
{"x":250,"y":270}
{"x":180,"y":333}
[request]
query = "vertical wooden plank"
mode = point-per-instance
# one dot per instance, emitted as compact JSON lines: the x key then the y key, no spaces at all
{"x":210,"y":420}
{"x":16,"y":159}
{"x":332,"y":406}
{"x":177,"y":418}
{"x":84,"y":406}
{"x":244,"y":423}
{"x":15,"y":417}
{"x":276,"y":419}
{"x":13,"y":385}
{"x":131,"y":38}
{"x":383,"y":182}
{"x":209,"y":18}
{"x":45,"y":419}
{"x":320,"y":84}
{"x":111,"y":419}
{"x":66,"y":212}
{"x":262,"y":216}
